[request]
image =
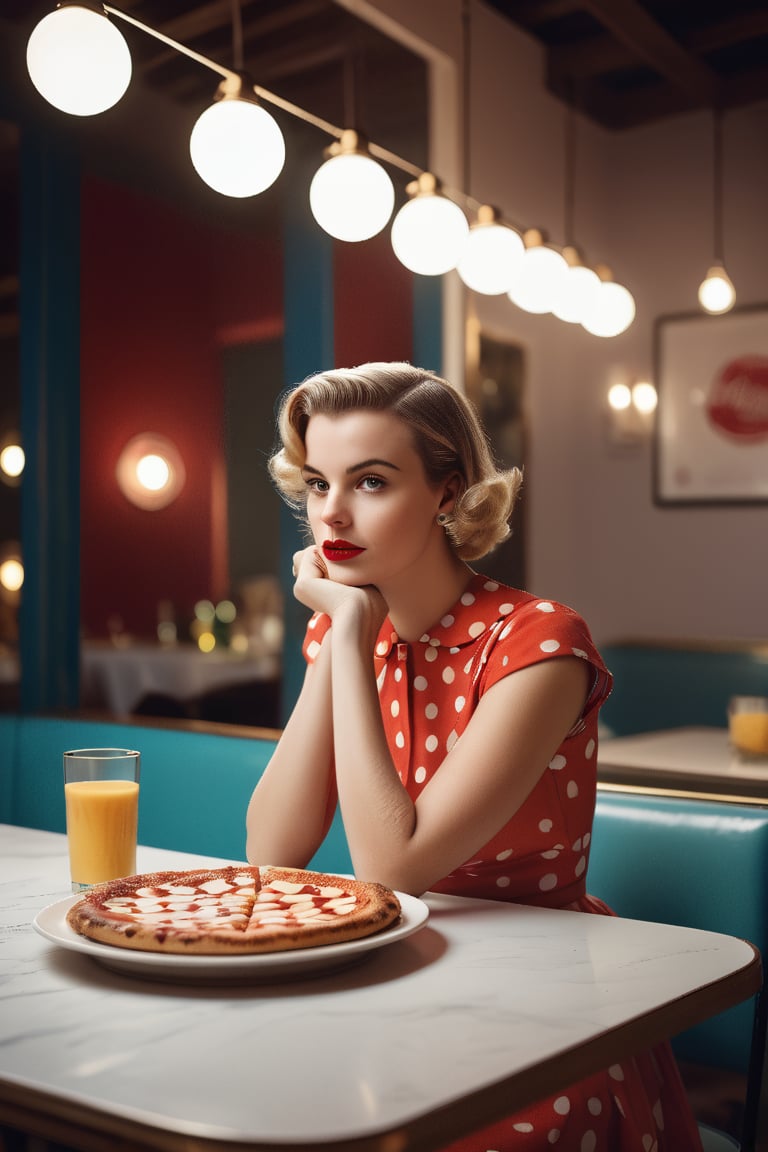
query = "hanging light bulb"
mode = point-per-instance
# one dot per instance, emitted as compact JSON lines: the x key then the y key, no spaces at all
{"x":236,"y":146}
{"x":430,"y":231}
{"x":575,"y":289}
{"x":612,"y":308}
{"x":78,"y":60}
{"x":538,"y":274}
{"x":491,"y":254}
{"x":351,"y":195}
{"x":716,"y":291}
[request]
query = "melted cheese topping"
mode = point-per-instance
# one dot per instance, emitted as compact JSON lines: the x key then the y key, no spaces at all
{"x":233,"y":907}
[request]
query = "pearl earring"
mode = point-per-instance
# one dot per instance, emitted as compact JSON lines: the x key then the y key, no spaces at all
{"x":442,"y":519}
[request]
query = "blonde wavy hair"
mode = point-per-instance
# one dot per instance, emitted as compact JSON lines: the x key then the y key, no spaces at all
{"x":447,"y":434}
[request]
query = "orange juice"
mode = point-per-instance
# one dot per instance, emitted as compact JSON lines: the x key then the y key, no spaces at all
{"x":102,"y":821}
{"x":749,"y":732}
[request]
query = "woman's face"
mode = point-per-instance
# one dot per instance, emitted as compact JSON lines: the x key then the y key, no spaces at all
{"x":370,"y":506}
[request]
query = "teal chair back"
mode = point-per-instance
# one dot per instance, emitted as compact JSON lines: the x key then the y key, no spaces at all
{"x":695,"y":862}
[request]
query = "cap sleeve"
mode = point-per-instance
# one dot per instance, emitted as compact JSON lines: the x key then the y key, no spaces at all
{"x":317,"y":627}
{"x":543,"y":630}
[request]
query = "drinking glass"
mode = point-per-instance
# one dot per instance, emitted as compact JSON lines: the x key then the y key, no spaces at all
{"x":101,"y":792}
{"x":748,"y":726}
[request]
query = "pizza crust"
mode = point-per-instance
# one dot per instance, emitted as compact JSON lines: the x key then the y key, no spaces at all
{"x":232,"y":910}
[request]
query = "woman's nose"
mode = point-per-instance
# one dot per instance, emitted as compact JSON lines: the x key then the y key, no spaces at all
{"x":334,"y":509}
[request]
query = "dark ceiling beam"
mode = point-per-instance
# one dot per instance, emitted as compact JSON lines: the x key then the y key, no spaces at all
{"x":631,"y":25}
{"x":725,"y":33}
{"x":216,"y":16}
{"x":592,"y":57}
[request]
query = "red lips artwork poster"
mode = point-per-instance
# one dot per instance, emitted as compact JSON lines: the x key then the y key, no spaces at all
{"x":712,"y":419}
{"x":737,"y":404}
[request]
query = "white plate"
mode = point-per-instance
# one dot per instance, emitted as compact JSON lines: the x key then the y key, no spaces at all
{"x":51,"y":923}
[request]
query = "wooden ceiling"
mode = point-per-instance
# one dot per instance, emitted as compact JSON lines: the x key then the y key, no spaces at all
{"x":624,"y":63}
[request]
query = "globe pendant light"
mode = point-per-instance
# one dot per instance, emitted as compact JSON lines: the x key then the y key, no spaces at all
{"x":576,"y":288}
{"x":236,"y":146}
{"x":538,"y":274}
{"x":351,"y":195}
{"x":430,"y":231}
{"x":491,"y":254}
{"x":78,"y":60}
{"x":612,"y":308}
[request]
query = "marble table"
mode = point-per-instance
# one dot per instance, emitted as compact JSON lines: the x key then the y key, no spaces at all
{"x":692,"y":759}
{"x":484,"y":1009}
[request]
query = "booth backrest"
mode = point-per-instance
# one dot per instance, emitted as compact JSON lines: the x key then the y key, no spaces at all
{"x":658,"y":686}
{"x":195,"y":785}
{"x":695,"y":862}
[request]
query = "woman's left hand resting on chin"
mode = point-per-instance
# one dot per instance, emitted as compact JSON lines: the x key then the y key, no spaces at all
{"x":317,"y":591}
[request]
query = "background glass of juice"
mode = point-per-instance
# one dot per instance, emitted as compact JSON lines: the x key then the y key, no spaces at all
{"x":101,"y":792}
{"x":748,"y":726}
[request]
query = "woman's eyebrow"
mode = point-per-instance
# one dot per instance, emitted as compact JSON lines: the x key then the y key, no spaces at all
{"x":372,"y":463}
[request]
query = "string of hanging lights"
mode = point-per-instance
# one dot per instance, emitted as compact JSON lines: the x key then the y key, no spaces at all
{"x":79,"y":61}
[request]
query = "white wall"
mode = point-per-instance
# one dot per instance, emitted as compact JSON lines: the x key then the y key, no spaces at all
{"x":643,"y":205}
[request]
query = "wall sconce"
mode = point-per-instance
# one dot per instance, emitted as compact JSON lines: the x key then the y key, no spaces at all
{"x":11,"y":459}
{"x":150,"y":471}
{"x":11,"y":572}
{"x":631,"y":412}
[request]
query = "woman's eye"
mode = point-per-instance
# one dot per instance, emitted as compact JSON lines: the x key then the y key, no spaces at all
{"x":317,"y":485}
{"x":371,"y":483}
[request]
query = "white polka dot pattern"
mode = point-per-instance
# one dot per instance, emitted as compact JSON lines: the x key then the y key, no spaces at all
{"x":428,"y":692}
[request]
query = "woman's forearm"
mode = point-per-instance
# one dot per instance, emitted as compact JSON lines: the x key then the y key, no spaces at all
{"x":379,"y":816}
{"x":293,"y":804}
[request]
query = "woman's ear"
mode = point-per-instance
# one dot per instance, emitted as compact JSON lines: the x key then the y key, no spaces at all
{"x":451,"y":493}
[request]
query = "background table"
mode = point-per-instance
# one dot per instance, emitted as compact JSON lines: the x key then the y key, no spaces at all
{"x":120,"y":677}
{"x":698,"y":759}
{"x":488,"y":1007}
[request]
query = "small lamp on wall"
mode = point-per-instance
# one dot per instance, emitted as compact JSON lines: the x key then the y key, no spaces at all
{"x":631,"y":412}
{"x":11,"y":571}
{"x":150,"y":471}
{"x":11,"y":459}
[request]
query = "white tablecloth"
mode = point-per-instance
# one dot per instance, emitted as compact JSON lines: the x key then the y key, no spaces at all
{"x":118,"y":678}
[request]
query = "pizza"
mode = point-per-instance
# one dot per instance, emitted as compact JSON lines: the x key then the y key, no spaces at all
{"x":232,"y":910}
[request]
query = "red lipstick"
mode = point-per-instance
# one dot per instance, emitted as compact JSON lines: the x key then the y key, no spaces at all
{"x":340,"y":550}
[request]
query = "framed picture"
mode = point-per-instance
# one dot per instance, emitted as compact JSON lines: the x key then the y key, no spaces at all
{"x":711,"y":443}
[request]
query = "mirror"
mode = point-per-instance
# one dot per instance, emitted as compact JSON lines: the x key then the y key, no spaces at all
{"x":182,"y":338}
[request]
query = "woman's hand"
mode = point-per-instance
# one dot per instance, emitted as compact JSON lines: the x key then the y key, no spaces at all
{"x":363,"y":607}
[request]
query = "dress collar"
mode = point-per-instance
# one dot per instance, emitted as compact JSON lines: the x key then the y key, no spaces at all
{"x":473,"y":614}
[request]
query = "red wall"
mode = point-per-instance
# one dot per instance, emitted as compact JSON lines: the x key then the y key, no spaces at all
{"x":159,"y":291}
{"x":161,"y":294}
{"x":373,"y":305}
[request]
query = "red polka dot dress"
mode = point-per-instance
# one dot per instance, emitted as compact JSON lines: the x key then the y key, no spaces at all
{"x":428,"y":691}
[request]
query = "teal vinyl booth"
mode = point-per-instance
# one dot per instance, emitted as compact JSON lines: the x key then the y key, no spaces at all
{"x":677,"y":684}
{"x":701,"y":863}
{"x":195,"y":785}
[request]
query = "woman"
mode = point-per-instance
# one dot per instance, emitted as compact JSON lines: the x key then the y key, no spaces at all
{"x":453,"y":719}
